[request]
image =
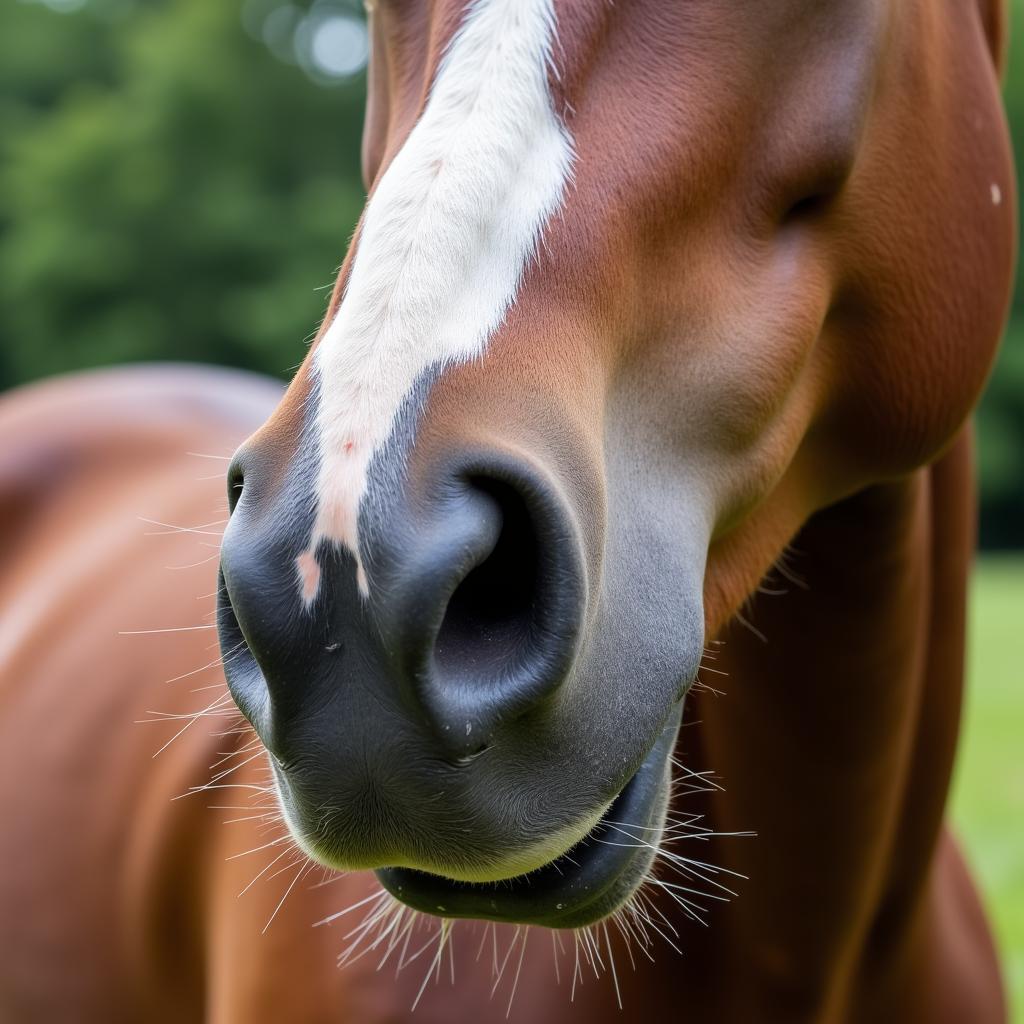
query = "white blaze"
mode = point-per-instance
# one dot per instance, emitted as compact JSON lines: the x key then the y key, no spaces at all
{"x":445,"y":240}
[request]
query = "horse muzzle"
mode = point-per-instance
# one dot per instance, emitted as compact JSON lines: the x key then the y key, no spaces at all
{"x":425,"y":711}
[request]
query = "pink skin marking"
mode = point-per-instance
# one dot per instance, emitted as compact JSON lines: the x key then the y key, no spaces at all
{"x":309,"y":575}
{"x":348,"y":446}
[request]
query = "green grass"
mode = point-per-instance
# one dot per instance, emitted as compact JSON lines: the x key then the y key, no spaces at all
{"x":988,"y":792}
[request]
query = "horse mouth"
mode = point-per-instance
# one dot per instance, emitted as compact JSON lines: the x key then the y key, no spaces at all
{"x":586,"y":883}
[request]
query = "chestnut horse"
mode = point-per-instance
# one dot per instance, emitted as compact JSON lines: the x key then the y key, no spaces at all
{"x":651,"y":357}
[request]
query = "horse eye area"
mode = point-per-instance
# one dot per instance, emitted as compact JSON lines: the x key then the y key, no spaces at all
{"x":492,"y":612}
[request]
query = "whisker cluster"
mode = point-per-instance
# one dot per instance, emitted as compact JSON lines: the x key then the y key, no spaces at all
{"x":393,"y":931}
{"x":397,"y":936}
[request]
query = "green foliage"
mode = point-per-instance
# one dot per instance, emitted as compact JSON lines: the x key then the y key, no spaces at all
{"x":1001,"y":414}
{"x":167,"y":189}
{"x":172,"y":187}
{"x":988,"y":791}
{"x":1001,"y":445}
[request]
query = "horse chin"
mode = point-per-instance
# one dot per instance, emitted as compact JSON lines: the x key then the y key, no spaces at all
{"x":589,"y":881}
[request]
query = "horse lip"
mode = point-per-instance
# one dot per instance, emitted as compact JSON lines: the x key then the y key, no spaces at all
{"x":582,"y":885}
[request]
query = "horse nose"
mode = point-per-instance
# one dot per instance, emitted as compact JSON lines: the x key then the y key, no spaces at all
{"x":463,"y":606}
{"x":479,"y":595}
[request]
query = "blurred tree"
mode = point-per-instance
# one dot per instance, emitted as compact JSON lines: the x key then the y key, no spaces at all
{"x":168,"y":189}
{"x":1001,"y":414}
{"x":177,"y":177}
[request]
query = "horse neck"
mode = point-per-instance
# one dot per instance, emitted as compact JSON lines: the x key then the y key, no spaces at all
{"x":836,"y":733}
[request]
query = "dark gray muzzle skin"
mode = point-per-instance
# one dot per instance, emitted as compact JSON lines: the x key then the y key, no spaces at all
{"x":474,"y":703}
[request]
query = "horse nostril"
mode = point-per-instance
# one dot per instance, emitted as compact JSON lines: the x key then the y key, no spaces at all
{"x":487,"y":600}
{"x":244,"y":679}
{"x":236,"y":481}
{"x":490,"y":614}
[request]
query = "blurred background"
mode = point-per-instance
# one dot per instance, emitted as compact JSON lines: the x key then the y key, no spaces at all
{"x":179,"y":179}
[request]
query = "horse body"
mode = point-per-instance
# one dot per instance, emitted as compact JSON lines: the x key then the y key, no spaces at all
{"x":649,"y":441}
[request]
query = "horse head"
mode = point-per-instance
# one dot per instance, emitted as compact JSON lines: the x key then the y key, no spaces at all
{"x":638,"y":288}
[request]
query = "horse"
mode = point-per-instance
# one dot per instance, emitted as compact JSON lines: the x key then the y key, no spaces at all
{"x":599,"y":576}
